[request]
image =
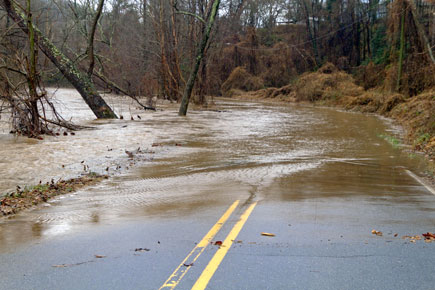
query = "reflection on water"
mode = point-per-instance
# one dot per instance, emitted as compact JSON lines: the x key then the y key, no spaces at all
{"x":248,"y":151}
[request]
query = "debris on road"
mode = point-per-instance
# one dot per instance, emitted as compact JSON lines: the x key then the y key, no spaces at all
{"x":141,"y":250}
{"x":378,"y":233}
{"x":267,"y":234}
{"x":416,"y":237}
{"x":429,"y":237}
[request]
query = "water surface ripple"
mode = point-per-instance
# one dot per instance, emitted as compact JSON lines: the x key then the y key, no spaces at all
{"x":245,"y":150}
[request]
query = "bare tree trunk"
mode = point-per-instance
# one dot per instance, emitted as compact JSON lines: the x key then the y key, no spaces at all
{"x":145,"y":29}
{"x":80,"y":81}
{"x":199,"y":56}
{"x":402,"y":45}
{"x":164,"y":88}
{"x":310,"y":33}
{"x":369,"y":51}
{"x":356,"y":50}
{"x":201,"y":87}
{"x":31,"y":75}
{"x":175,"y":49}
{"x":90,"y":49}
{"x":421,"y":34}
{"x":170,"y":83}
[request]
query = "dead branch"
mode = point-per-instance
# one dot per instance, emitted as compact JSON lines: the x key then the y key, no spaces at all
{"x":117,"y":88}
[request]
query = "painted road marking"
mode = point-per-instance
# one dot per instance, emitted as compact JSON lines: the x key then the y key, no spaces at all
{"x":421,"y":181}
{"x":181,"y":270}
{"x":214,"y":263}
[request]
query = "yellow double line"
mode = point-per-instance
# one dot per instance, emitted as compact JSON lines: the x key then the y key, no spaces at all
{"x":214,"y":263}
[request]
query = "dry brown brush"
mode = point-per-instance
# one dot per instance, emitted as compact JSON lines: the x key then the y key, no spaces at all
{"x":241,"y":80}
{"x":330,"y":86}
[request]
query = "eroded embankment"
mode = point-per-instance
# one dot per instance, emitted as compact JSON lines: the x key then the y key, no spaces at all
{"x":331,"y":87}
{"x":28,"y":197}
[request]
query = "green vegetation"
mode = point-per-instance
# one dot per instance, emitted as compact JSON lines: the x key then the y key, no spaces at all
{"x":379,"y":45}
{"x":20,"y":199}
{"x":423,"y":139}
{"x":390,"y":139}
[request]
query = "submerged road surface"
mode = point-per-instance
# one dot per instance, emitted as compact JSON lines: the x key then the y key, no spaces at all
{"x":253,"y":196}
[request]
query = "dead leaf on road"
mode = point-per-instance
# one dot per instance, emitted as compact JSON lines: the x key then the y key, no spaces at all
{"x":412,"y":239}
{"x":429,"y":235}
{"x":218,"y":243}
{"x":267,"y":234}
{"x":100,"y":256}
{"x":375,"y":232}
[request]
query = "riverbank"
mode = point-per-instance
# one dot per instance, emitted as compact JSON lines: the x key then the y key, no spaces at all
{"x":333,"y":88}
{"x":14,"y":202}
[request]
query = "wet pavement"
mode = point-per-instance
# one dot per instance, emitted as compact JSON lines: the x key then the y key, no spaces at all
{"x":321,"y":180}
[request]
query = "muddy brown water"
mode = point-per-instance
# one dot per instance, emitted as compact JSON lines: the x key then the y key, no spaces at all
{"x":246,"y":150}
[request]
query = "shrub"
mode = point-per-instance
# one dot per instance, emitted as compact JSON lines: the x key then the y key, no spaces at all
{"x":240,"y":79}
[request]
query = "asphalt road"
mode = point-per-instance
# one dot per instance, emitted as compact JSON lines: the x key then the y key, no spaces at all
{"x":307,"y":252}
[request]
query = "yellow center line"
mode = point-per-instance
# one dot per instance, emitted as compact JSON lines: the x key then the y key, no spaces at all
{"x":178,"y":274}
{"x":214,"y":263}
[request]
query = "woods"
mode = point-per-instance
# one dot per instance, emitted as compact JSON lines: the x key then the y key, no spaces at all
{"x":175,"y":49}
{"x":228,"y":144}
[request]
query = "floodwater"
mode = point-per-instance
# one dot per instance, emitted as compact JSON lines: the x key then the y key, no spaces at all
{"x":240,"y":150}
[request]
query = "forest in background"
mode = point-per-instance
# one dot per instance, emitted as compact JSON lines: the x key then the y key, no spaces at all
{"x":149,"y":48}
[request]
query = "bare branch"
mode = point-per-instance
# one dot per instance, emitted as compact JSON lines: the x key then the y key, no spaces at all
{"x":90,"y":49}
{"x":178,"y":11}
{"x":115,"y":87}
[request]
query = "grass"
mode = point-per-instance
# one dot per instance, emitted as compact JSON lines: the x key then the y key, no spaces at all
{"x":13,"y":202}
{"x":423,"y":138}
{"x":390,"y":139}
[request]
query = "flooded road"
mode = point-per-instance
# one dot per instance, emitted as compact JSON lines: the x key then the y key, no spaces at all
{"x":321,"y":180}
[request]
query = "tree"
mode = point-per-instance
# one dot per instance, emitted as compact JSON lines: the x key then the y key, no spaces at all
{"x":80,"y":81}
{"x":199,"y":56}
{"x":90,"y":49}
{"x":32,"y":77}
